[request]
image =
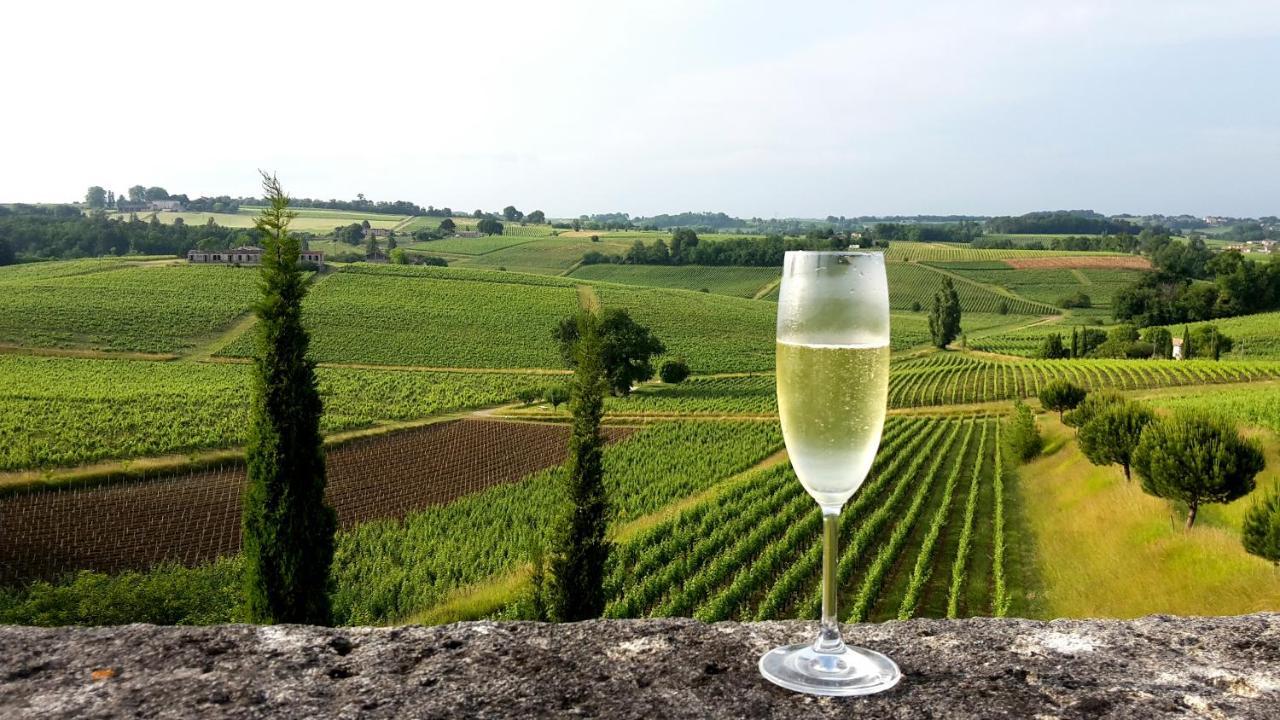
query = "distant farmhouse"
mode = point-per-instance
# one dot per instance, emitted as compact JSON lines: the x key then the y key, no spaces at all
{"x":245,"y":255}
{"x":377,"y":232}
{"x":169,"y":205}
{"x":1177,"y":348}
{"x":469,"y":234}
{"x":1255,"y":246}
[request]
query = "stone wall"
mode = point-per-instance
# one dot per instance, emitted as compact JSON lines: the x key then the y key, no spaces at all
{"x":1154,"y":667}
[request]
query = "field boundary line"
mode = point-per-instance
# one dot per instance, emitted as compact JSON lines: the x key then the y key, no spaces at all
{"x":1084,"y":279}
{"x":86,"y":353}
{"x":409,"y":368}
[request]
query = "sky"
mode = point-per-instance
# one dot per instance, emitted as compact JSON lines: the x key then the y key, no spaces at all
{"x":769,"y":109}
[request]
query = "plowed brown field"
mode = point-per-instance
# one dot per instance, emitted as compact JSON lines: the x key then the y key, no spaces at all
{"x":195,"y":517}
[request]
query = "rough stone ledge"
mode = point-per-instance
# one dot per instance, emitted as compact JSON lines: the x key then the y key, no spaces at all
{"x":1158,"y":666}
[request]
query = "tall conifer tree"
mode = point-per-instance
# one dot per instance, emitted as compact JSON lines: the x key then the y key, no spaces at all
{"x":578,"y":561}
{"x":287,"y":526}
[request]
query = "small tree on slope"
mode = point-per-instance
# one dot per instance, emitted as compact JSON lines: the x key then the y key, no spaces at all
{"x":288,"y":529}
{"x":1196,"y":459}
{"x":1260,"y":531}
{"x":578,"y":562}
{"x":1111,"y":436}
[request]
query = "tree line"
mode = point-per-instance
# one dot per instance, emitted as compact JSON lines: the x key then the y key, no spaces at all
{"x":1189,"y":283}
{"x":1126,"y":341}
{"x":64,"y":232}
{"x":686,"y":248}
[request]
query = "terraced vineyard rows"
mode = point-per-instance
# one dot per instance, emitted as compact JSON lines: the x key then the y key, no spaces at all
{"x":944,"y":379}
{"x":754,"y":553}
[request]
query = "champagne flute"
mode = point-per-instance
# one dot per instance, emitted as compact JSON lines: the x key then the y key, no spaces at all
{"x":833,"y":382}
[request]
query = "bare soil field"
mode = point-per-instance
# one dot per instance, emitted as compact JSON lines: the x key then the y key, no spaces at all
{"x":195,"y":517}
{"x":1084,"y":262}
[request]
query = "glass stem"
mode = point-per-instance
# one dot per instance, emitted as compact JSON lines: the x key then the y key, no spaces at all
{"x":829,"y":640}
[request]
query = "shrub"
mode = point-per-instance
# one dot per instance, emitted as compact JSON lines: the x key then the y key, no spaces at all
{"x":1260,"y":532}
{"x":1061,"y":395}
{"x":1075,"y":300}
{"x":529,"y":396}
{"x":915,"y":306}
{"x":1023,"y":436}
{"x":1195,"y":459}
{"x":674,"y":371}
{"x":168,"y":594}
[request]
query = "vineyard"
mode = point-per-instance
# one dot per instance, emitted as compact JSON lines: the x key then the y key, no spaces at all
{"x":389,"y":570}
{"x":387,"y":319}
{"x":57,"y":412}
{"x":1253,"y":406}
{"x":944,"y":252}
{"x":160,"y":309}
{"x":736,"y":281}
{"x":1046,"y":285}
{"x":919,"y":539}
{"x":195,"y":517}
{"x":912,"y":285}
{"x":943,"y":379}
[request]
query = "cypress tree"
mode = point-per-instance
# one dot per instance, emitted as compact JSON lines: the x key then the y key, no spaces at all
{"x":287,"y":527}
{"x":1186,"y":342}
{"x":944,"y":315}
{"x":578,"y":562}
{"x":1075,"y":343}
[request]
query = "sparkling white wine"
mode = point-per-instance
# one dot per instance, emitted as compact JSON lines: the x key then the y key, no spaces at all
{"x":831,"y":399}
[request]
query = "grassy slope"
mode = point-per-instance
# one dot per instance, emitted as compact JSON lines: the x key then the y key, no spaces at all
{"x":1106,"y":549}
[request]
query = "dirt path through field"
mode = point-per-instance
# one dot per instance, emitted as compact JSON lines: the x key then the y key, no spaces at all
{"x":767,"y":289}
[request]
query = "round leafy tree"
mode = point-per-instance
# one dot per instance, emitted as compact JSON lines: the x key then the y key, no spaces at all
{"x":1093,"y":403}
{"x":1111,"y":436}
{"x":1061,"y":395}
{"x":1261,"y":530}
{"x":1195,"y":459}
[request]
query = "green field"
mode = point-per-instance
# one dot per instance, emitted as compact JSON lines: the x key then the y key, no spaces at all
{"x":736,"y":281}
{"x":1047,"y":286}
{"x":118,"y":306}
{"x":385,"y":318}
{"x":59,"y":412}
{"x":310,"y":220}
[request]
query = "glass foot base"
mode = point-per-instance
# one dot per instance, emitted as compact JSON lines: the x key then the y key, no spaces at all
{"x":849,"y":671}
